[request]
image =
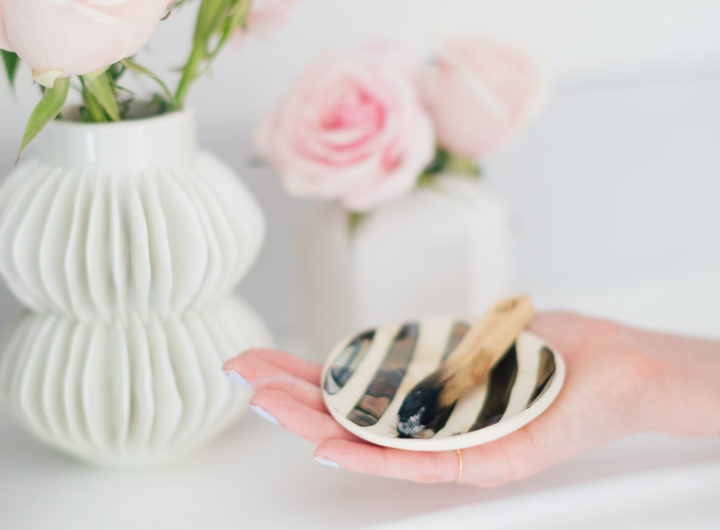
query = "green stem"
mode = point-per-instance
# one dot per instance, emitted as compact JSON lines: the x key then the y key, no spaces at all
{"x":100,"y":86}
{"x":216,"y":18}
{"x":190,"y":72}
{"x":354,"y":219}
{"x":132,"y":65}
{"x":95,"y":112}
{"x":236,"y":19}
{"x":445,"y":161}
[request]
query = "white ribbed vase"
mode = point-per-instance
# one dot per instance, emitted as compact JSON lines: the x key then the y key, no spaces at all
{"x":125,"y":241}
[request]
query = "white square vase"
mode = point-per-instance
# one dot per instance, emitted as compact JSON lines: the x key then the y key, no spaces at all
{"x":442,"y":250}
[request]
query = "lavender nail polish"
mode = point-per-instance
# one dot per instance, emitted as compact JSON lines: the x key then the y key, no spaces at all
{"x":263,"y":414}
{"x":237,"y":379}
{"x":326,"y":462}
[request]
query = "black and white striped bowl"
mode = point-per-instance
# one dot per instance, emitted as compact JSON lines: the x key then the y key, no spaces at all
{"x":368,"y":375}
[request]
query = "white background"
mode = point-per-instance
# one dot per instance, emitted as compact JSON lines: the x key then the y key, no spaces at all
{"x":614,"y":192}
{"x":614,"y":189}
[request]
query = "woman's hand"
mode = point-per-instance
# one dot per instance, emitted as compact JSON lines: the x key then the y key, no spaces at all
{"x":619,"y":381}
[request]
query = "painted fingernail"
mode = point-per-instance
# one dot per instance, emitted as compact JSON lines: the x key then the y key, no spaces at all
{"x":237,"y":379}
{"x":326,"y":462}
{"x":263,"y":414}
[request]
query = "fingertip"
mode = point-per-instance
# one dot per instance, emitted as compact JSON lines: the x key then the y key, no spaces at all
{"x":326,"y":462}
{"x":232,"y":364}
{"x":271,"y":396}
{"x":272,"y":402}
{"x":308,"y":370}
{"x":257,"y":372}
{"x":264,"y":414}
{"x":333,"y":450}
{"x":237,"y":379}
{"x":236,"y":369}
{"x":296,"y":416}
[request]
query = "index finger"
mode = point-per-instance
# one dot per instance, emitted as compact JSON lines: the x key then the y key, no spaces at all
{"x":300,"y":368}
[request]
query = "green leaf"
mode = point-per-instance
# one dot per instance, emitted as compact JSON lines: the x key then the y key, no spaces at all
{"x":178,"y":4}
{"x":426,"y":180}
{"x":211,"y":15}
{"x":45,"y":111}
{"x":216,"y":21}
{"x":462,"y":165}
{"x":438,"y":163}
{"x":98,"y":84}
{"x":235,"y":19}
{"x":11,"y":61}
{"x":92,"y":111}
{"x":131,"y":65}
{"x":445,"y":162}
{"x":115,"y":71}
{"x":160,"y":103}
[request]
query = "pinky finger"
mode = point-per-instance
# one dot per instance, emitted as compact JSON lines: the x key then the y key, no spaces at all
{"x":387,"y":462}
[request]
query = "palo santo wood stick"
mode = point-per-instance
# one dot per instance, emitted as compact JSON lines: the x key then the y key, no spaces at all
{"x":483,"y":345}
{"x":431,"y":401}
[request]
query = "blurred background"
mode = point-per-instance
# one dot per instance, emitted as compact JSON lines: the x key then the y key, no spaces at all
{"x":613,"y":190}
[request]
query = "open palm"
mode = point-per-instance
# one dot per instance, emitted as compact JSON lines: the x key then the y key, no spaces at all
{"x":607,"y":395}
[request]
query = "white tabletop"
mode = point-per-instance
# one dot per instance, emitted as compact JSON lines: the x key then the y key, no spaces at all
{"x":258,"y":476}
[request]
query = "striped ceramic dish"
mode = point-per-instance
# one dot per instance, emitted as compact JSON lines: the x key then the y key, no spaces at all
{"x":368,"y":375}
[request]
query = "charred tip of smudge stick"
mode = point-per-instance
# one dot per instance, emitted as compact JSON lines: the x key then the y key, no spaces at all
{"x":419,"y":407}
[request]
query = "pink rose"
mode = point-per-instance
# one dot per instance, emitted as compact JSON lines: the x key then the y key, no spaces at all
{"x":60,"y":38}
{"x":352,"y":128}
{"x":4,"y":43}
{"x":480,"y":94}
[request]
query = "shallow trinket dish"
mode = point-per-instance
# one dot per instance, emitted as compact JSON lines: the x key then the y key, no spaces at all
{"x":368,"y":375}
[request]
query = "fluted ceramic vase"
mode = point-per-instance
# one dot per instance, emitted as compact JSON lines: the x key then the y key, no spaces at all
{"x":124,"y":242}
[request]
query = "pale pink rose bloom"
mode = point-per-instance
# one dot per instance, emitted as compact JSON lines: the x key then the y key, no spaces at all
{"x":352,"y":128}
{"x":480,"y":94}
{"x":60,"y":38}
{"x":4,"y":43}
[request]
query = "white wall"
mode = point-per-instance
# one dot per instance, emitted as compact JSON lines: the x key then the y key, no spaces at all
{"x":614,"y":188}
